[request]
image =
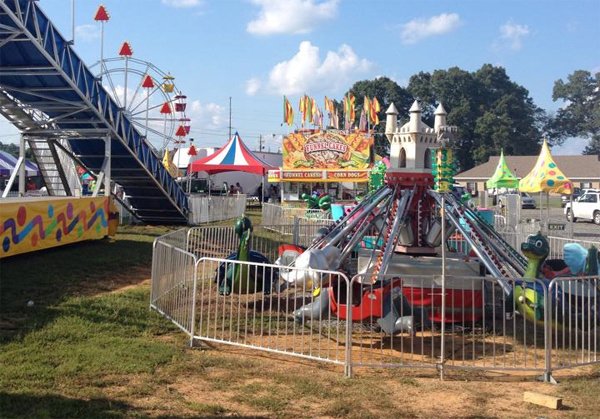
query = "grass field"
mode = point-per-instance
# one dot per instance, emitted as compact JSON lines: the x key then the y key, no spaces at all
{"x":89,"y":347}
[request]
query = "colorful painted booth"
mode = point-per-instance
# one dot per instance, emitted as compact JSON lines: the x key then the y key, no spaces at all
{"x":40,"y":223}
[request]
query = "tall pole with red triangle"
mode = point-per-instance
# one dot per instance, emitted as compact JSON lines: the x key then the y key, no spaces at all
{"x":101,"y":16}
{"x":125,"y":52}
{"x":147,"y":84}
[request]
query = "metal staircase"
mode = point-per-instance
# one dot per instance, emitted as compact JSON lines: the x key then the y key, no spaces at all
{"x":56,"y":167}
{"x":39,"y":70}
{"x":58,"y":170}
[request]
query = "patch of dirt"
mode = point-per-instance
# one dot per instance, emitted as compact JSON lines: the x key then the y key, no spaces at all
{"x":412,"y":393}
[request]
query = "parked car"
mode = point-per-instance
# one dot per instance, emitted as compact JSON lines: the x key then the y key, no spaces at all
{"x":587,"y":207}
{"x":567,"y":198}
{"x":527,"y":201}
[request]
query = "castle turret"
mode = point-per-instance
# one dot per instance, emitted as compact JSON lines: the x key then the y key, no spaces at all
{"x":415,"y":117}
{"x":440,"y":118}
{"x":391,"y":122}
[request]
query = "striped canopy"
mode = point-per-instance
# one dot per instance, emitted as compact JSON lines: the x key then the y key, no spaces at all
{"x":233,"y":157}
{"x":8,"y":163}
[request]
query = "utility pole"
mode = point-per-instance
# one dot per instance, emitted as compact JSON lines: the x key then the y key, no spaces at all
{"x":73,"y":21}
{"x":229,"y":117}
{"x":260,"y":147}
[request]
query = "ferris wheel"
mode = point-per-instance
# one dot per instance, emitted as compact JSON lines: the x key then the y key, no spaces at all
{"x":148,"y":96}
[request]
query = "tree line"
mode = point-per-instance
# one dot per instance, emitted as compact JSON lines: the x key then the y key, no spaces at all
{"x":491,"y":111}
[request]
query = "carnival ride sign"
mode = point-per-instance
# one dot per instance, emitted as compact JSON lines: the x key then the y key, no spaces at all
{"x":326,"y":156}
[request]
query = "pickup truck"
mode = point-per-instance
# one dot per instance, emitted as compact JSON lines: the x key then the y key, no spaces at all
{"x":586,"y":207}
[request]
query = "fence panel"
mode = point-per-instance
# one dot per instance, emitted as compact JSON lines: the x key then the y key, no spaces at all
{"x":276,"y":217}
{"x":173,"y":281}
{"x":575,"y":321}
{"x":204,"y":209}
{"x":248,"y":305}
{"x":557,"y":245}
{"x":177,"y":238}
{"x":221,"y":241}
{"x":412,"y":322}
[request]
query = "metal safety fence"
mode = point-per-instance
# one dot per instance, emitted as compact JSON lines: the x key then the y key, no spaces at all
{"x":205,"y":209}
{"x":466,"y":323}
{"x":172,"y":291}
{"x":250,"y":305}
{"x":556,"y":244}
{"x":275,"y":217}
{"x":221,"y":241}
{"x":574,"y":322}
{"x":403,"y":321}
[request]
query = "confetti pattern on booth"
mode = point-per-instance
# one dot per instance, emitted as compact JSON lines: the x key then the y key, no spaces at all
{"x":546,"y":176}
{"x":34,"y":225}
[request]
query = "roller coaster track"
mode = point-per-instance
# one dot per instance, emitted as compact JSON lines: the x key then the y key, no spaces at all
{"x":40,"y":69}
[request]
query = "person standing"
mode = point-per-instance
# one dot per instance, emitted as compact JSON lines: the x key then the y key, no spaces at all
{"x":239,"y":188}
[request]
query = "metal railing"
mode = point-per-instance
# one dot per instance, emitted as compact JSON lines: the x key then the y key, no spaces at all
{"x":229,"y":312}
{"x":574,"y":322}
{"x":466,"y":329}
{"x":275,"y":216}
{"x":514,"y":239}
{"x":464,"y":323}
{"x":557,"y":245}
{"x":221,"y":241}
{"x":205,"y":209}
{"x":177,"y":238}
{"x":172,"y":291}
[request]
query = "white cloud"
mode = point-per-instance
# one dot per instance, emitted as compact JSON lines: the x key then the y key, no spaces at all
{"x":183,"y":3}
{"x":418,"y":29}
{"x":252,"y":86}
{"x":87,"y":32}
{"x":291,"y":16}
{"x":305,"y":71}
{"x":511,"y":36}
{"x":206,"y":116}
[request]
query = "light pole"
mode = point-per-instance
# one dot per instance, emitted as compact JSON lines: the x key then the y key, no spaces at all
{"x":189,"y":175}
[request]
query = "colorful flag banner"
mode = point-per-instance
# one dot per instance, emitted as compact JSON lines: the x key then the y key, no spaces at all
{"x":288,"y":112}
{"x":362,"y":125}
{"x":374,"y":109}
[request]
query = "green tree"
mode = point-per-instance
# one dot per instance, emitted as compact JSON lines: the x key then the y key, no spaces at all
{"x":14,"y":150}
{"x":581,"y":115}
{"x":386,"y":91}
{"x":491,"y":111}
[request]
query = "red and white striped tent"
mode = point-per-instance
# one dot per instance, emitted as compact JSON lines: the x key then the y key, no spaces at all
{"x":233,"y":157}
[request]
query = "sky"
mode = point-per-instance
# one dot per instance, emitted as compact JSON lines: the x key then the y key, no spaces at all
{"x":256,"y":51}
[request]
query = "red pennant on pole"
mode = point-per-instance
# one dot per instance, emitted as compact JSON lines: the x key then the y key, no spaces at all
{"x":192,"y":151}
{"x":126,"y":50}
{"x":147,"y":82}
{"x":101,"y":14}
{"x":180,"y":131}
{"x":166,"y":109}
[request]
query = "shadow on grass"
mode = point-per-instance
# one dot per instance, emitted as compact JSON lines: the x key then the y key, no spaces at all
{"x":47,"y":277}
{"x":54,"y":406}
{"x":51,"y":406}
